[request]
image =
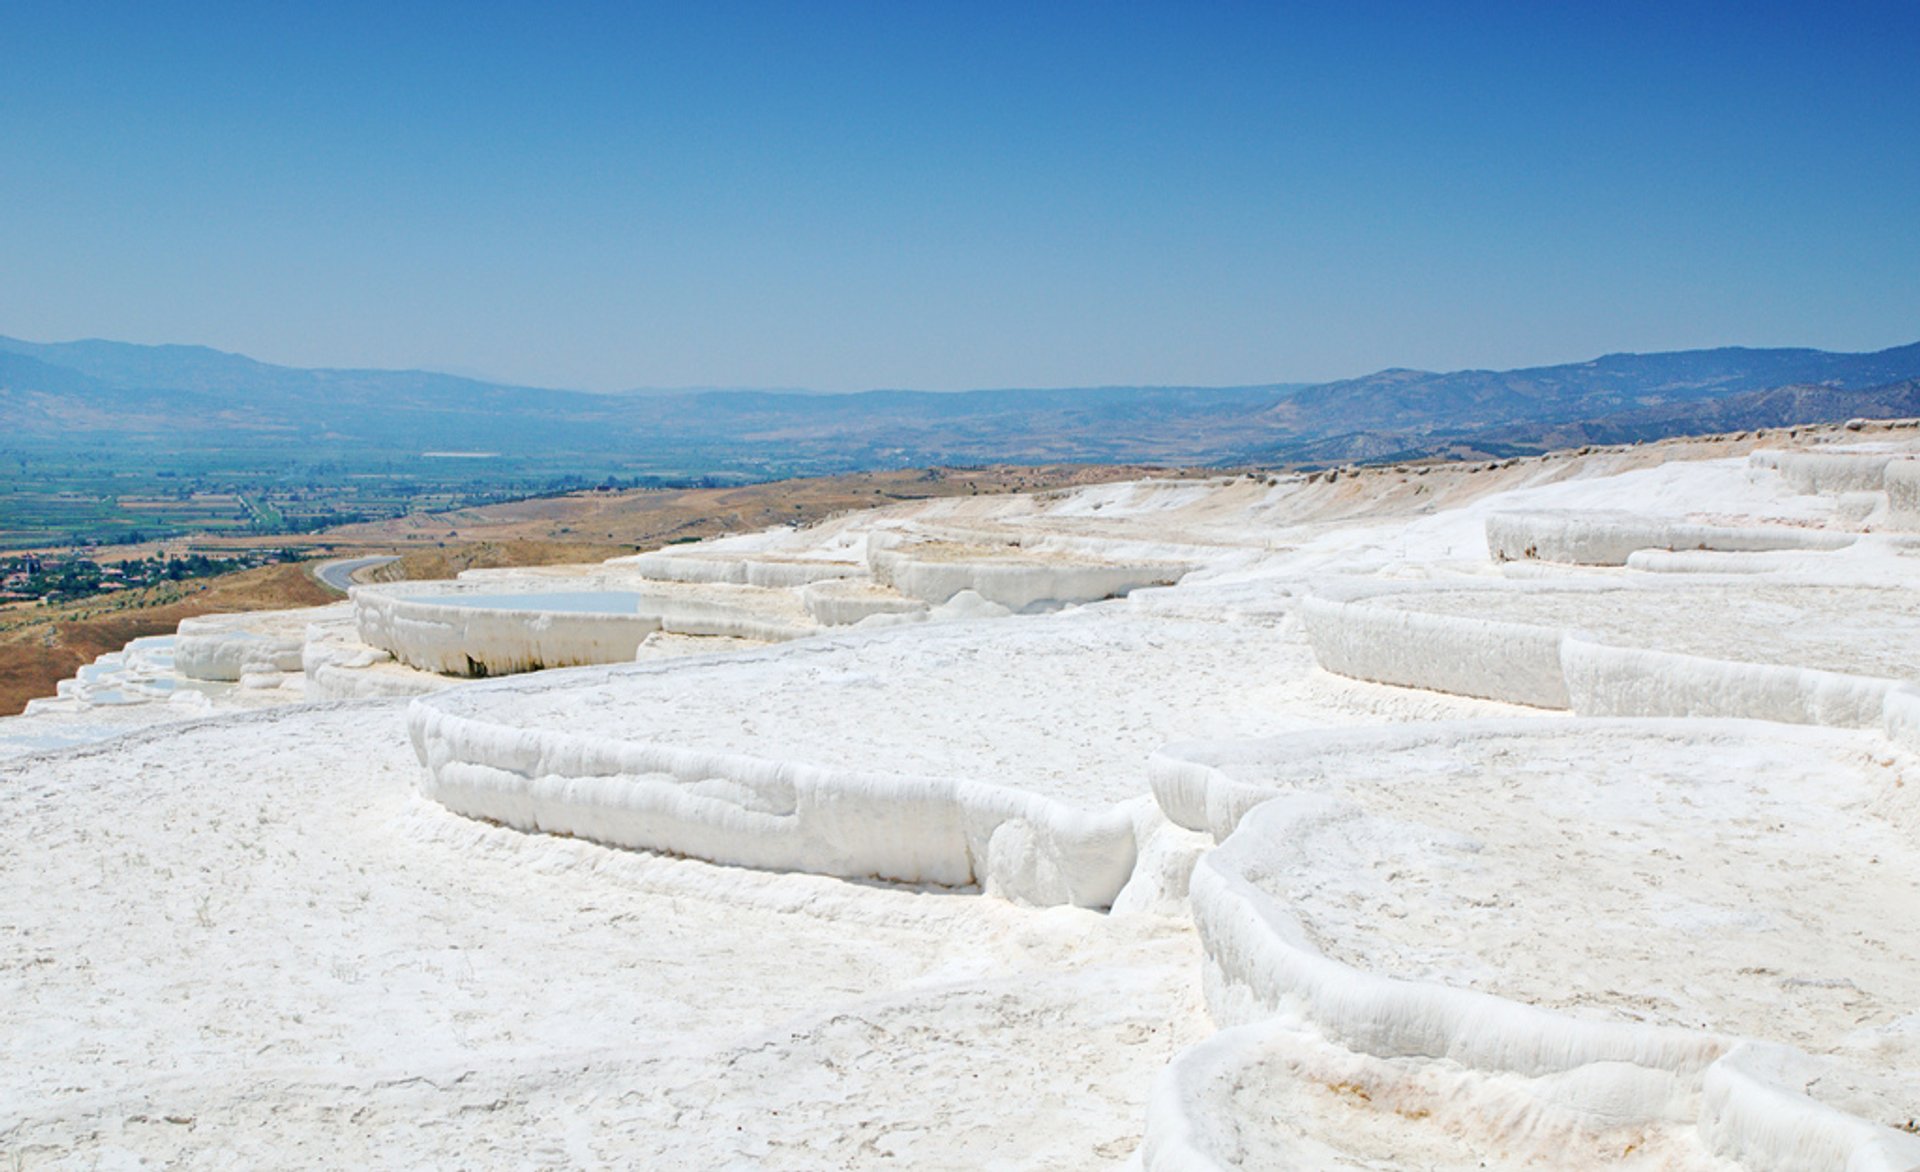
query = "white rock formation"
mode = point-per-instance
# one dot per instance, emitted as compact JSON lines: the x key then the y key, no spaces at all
{"x":1610,"y":539}
{"x":1504,"y":862}
{"x":512,"y":632}
{"x":1019,"y":579}
{"x":1722,"y":647}
{"x":806,"y":758}
{"x":845,"y":602}
{"x":226,"y":647}
{"x":745,"y":569}
{"x":1832,"y":472}
{"x":1477,"y":938}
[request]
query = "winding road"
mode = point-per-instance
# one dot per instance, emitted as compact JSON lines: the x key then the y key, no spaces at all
{"x":339,"y":575}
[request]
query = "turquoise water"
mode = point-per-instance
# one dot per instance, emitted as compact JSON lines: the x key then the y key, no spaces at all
{"x":11,"y":743}
{"x":167,"y":686}
{"x":576,"y":602}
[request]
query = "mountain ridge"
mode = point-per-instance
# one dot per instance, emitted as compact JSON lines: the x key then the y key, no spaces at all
{"x":203,"y":397}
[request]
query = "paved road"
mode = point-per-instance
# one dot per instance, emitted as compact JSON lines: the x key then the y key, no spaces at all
{"x":339,"y":575}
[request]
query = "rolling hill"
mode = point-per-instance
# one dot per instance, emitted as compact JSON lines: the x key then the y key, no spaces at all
{"x":175,"y":397}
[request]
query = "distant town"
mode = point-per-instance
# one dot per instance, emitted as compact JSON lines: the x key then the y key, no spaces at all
{"x":63,"y":578}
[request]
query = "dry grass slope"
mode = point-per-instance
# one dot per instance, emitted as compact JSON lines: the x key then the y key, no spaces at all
{"x":42,"y":645}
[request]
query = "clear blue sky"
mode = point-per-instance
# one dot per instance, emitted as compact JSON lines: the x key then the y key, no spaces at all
{"x":846,"y":196}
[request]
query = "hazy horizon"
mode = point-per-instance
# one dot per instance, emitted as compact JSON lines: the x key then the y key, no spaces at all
{"x":483,"y":377}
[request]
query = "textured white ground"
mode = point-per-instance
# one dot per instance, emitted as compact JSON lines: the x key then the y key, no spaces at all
{"x":1748,"y":883}
{"x":299,"y":963}
{"x":1069,"y":706}
{"x":1290,"y":1100}
{"x":1749,"y":621}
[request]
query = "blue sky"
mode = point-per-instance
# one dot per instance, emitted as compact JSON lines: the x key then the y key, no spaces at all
{"x":844,"y":196}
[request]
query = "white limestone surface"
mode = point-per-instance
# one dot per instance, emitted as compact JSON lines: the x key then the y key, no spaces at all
{"x":999,"y":753}
{"x":1902,"y":479}
{"x":1604,"y":680}
{"x":1700,"y":561}
{"x":1831,"y":471}
{"x":502,"y":623}
{"x":142,"y":671}
{"x":1614,"y":885}
{"x":704,"y":563}
{"x":1020,"y":578}
{"x":1007,"y":753}
{"x":1610,"y":538}
{"x":1067,"y":707}
{"x":1276,"y":1094}
{"x":845,"y":602}
{"x":665,"y":645}
{"x":136,"y":688}
{"x":55,"y":724}
{"x":432,"y":630}
{"x":1744,"y":620}
{"x":245,"y":943}
{"x":338,"y":666}
{"x":1733,"y":646}
{"x":226,"y":647}
{"x":1494,"y":658}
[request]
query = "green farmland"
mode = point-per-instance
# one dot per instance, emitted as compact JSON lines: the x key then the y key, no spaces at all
{"x":53,"y":497}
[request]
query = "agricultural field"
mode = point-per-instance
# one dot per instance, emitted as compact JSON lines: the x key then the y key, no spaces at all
{"x":70,"y":498}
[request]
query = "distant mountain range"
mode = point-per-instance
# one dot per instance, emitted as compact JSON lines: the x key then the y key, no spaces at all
{"x":170,"y":398}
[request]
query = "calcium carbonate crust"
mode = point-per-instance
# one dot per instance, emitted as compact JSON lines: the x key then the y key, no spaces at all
{"x":1354,"y":632}
{"x":1827,"y":473}
{"x":1022,"y":580}
{"x":411,"y":624}
{"x":843,"y":602}
{"x":1264,"y":977}
{"x":1902,"y":480}
{"x":224,"y":648}
{"x":762,"y":570}
{"x":760,"y":812}
{"x":1494,"y":1066}
{"x":1610,"y":539}
{"x":472,"y":641}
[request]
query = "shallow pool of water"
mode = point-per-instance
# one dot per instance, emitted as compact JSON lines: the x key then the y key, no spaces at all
{"x":575,"y":602}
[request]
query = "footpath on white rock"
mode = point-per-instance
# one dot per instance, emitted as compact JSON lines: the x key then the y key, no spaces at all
{"x":1536,"y":813}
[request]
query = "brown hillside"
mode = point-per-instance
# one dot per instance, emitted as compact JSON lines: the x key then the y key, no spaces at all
{"x":42,"y":645}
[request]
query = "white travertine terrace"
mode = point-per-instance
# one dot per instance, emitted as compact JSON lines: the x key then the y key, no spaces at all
{"x":507,"y":623}
{"x":1017,"y":578}
{"x":227,"y":648}
{"x":843,"y":756}
{"x":1390,"y":899}
{"x":765,"y":570}
{"x":338,"y":666}
{"x":1610,"y":539}
{"x":1902,"y":481}
{"x":1830,"y":472}
{"x":433,"y":632}
{"x":1468,"y":655}
{"x":1738,"y":646}
{"x":1400,"y":889}
{"x":1758,"y":620}
{"x":847,"y":602}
